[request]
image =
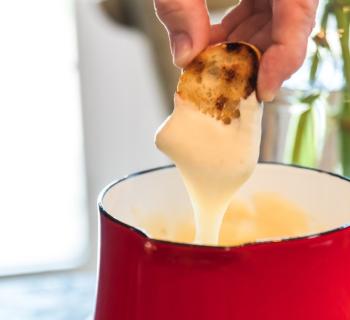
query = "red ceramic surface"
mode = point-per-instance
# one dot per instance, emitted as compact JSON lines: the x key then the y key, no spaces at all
{"x":304,"y":278}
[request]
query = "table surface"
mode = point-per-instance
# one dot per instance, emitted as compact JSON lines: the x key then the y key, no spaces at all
{"x":64,"y":296}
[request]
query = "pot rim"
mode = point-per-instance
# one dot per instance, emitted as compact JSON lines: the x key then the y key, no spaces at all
{"x":104,"y":212}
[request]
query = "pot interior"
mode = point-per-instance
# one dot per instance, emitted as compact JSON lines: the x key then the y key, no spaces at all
{"x":292,"y":202}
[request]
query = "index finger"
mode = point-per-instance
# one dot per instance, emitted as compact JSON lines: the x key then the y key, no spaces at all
{"x":291,"y":26}
{"x":187,"y":22}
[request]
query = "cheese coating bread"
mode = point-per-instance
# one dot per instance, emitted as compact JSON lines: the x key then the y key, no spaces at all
{"x":219,"y":77}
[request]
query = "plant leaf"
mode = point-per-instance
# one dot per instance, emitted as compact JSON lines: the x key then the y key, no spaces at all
{"x":325,"y":15}
{"x":310,"y":99}
{"x":314,"y":66}
{"x":305,"y":147}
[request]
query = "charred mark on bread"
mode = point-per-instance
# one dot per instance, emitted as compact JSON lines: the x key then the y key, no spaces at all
{"x":219,"y":77}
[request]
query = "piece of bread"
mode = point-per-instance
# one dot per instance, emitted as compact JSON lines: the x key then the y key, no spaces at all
{"x":219,"y":77}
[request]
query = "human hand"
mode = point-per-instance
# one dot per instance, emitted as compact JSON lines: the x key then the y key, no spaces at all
{"x":280,"y":28}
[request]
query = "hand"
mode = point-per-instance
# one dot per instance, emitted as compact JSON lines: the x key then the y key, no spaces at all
{"x":280,"y":28}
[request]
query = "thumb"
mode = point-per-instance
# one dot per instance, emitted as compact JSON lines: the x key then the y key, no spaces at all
{"x":188,"y":26}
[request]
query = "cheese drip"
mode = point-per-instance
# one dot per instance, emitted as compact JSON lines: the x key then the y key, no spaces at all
{"x":214,"y":158}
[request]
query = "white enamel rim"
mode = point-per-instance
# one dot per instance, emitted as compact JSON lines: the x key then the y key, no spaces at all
{"x":104,"y":212}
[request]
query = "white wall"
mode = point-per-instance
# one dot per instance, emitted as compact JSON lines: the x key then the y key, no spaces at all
{"x":122,"y":103}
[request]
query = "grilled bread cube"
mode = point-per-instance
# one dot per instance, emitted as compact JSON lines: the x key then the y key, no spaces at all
{"x":219,"y":77}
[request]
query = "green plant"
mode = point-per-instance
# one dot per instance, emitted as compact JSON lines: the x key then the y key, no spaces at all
{"x":304,"y":149}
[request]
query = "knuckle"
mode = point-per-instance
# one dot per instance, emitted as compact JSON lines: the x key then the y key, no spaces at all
{"x":172,"y":7}
{"x":297,"y":59}
{"x":307,"y":9}
{"x":307,"y":6}
{"x":168,"y":7}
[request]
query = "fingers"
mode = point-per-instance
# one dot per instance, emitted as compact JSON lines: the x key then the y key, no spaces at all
{"x":262,"y":38}
{"x":291,"y":26}
{"x":187,"y":23}
{"x":250,"y":26}
{"x":284,"y":38}
{"x":220,"y":32}
{"x":217,"y":34}
{"x":237,"y":15}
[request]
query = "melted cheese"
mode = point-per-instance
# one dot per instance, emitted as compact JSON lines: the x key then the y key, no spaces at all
{"x":214,"y":159}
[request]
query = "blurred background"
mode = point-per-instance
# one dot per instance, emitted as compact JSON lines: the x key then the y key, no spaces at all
{"x":84,"y":85}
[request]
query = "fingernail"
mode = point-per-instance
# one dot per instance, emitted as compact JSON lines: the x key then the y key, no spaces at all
{"x":181,"y":48}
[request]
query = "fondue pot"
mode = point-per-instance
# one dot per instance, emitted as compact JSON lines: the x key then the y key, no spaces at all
{"x":307,"y":277}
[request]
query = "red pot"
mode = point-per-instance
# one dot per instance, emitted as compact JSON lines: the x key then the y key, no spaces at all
{"x":300,"y":278}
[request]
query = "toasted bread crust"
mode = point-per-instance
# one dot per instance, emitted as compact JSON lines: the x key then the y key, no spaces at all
{"x":219,"y":77}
